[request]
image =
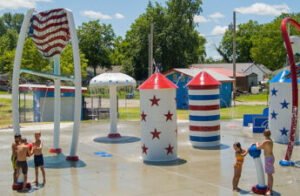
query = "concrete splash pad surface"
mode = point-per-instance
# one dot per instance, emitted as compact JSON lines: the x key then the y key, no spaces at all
{"x":205,"y":172}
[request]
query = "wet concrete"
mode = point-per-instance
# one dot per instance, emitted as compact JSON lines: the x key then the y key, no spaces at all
{"x":117,"y":169}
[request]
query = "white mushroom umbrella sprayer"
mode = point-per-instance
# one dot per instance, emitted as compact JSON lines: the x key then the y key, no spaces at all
{"x":112,"y":80}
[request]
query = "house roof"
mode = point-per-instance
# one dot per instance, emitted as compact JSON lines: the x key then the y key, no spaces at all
{"x":240,"y":67}
{"x":192,"y":72}
{"x":224,"y":71}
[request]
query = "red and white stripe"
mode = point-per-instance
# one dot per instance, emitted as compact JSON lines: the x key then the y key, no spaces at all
{"x":50,"y":31}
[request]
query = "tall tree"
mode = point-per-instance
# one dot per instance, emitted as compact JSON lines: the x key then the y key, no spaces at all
{"x":243,"y":42}
{"x":176,"y":42}
{"x":268,"y":46}
{"x":96,"y":42}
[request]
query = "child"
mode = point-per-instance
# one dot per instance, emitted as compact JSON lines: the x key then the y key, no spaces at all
{"x":38,"y":157}
{"x":14,"y":157}
{"x":239,"y":154}
{"x":267,"y":146}
{"x":22,"y":153}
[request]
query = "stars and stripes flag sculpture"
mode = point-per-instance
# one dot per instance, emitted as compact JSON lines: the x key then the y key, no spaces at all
{"x":50,"y":31}
{"x":204,"y":110}
{"x":280,"y":108}
{"x":158,"y":119}
{"x":294,"y":72}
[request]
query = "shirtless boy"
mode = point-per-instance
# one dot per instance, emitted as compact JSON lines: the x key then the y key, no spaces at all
{"x":14,"y":156}
{"x":267,"y":146}
{"x":22,"y":152}
{"x":38,"y":157}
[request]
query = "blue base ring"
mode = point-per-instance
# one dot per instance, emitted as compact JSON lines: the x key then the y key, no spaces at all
{"x":261,"y":187}
{"x":286,"y":163}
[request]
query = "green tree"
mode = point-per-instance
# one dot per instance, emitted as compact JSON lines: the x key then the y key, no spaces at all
{"x":176,"y":42}
{"x":268,"y":46}
{"x":244,"y":34}
{"x":33,"y":60}
{"x":96,"y":42}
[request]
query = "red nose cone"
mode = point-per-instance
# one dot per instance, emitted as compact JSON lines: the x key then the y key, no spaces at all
{"x":203,"y":79}
{"x":157,"y":81}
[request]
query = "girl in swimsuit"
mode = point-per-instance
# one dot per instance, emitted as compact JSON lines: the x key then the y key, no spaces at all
{"x":238,"y":165}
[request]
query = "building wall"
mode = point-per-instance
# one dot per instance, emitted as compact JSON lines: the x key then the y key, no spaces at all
{"x":43,"y":106}
{"x":182,"y":99}
{"x":241,"y":83}
{"x":255,"y":69}
{"x":181,"y":81}
{"x":251,"y":81}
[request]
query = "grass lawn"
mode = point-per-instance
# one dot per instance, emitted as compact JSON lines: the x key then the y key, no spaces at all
{"x":262,"y":97}
{"x":226,"y":113}
{"x":133,"y":113}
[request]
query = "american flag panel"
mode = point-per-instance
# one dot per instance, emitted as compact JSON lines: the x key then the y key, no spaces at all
{"x":50,"y":31}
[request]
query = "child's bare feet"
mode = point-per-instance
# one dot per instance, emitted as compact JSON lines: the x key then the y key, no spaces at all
{"x":269,"y":192}
{"x":44,"y":182}
{"x":235,"y":190}
{"x":35,"y":182}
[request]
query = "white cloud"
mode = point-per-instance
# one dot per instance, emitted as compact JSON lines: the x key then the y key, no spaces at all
{"x":216,"y":15}
{"x":264,"y":9}
{"x":96,"y":15}
{"x":119,"y":16}
{"x":200,"y":19}
{"x":17,"y":4}
{"x":219,"y":30}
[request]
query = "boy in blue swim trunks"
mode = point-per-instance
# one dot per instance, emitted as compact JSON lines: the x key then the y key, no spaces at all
{"x":38,"y":157}
{"x":267,"y":146}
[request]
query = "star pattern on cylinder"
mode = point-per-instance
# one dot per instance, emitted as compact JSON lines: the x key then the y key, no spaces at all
{"x":274,"y":92}
{"x":274,"y":115}
{"x":143,"y":116}
{"x":169,"y":149}
{"x":144,"y":148}
{"x":155,"y":134}
{"x":168,"y":116}
{"x":154,"y":101}
{"x":284,"y":104}
{"x":284,"y":131}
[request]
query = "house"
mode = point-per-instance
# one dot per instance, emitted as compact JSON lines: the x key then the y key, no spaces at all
{"x":182,"y":76}
{"x":241,"y":79}
{"x":246,"y":69}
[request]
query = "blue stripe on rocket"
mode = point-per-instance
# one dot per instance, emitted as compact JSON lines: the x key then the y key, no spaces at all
{"x":204,"y":118}
{"x":204,"y":97}
{"x":205,"y":139}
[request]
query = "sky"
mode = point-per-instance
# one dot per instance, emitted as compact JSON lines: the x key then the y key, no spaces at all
{"x":212,"y":22}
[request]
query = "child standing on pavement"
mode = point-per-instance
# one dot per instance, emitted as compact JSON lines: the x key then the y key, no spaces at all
{"x":38,"y":157}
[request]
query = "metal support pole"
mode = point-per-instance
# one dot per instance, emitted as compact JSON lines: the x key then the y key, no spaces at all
{"x":57,"y":104}
{"x":234,"y":57}
{"x":150,"y":71}
{"x":24,"y":105}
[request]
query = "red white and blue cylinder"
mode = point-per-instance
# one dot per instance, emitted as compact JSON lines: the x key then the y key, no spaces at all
{"x":204,"y":111}
{"x":158,"y":119}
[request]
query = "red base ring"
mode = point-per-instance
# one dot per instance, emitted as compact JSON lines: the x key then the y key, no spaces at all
{"x":20,"y":186}
{"x":55,"y":150}
{"x":259,"y":191}
{"x":114,"y":135}
{"x":72,"y":158}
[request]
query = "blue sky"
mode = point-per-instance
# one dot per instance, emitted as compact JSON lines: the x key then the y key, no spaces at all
{"x":212,"y":22}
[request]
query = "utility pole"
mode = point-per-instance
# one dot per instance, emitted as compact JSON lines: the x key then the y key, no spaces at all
{"x":234,"y":58}
{"x":150,"y":66}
